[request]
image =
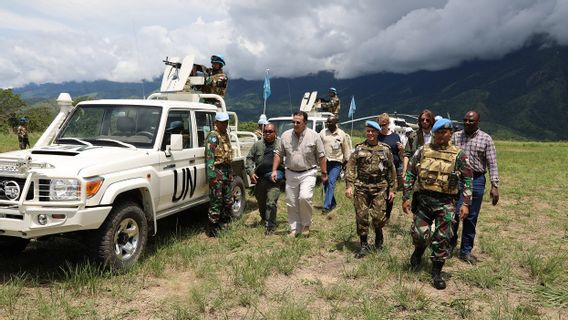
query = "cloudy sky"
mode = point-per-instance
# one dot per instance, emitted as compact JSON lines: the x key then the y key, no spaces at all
{"x":125,"y":40}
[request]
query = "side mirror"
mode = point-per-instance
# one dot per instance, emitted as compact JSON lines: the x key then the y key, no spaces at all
{"x":176,"y":142}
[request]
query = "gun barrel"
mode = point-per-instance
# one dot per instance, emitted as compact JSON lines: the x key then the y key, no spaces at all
{"x":173,"y":64}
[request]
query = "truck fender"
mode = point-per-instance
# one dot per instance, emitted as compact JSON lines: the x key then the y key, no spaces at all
{"x":120,"y":187}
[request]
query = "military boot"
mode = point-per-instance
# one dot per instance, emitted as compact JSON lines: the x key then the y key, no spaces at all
{"x":379,"y":239}
{"x":437,"y":281}
{"x":416,"y":257}
{"x":363,"y":250}
{"x":213,"y":230}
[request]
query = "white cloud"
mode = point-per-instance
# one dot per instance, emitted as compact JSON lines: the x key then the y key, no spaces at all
{"x":64,"y":40}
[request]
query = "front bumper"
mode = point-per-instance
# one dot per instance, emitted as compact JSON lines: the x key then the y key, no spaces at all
{"x":25,"y":223}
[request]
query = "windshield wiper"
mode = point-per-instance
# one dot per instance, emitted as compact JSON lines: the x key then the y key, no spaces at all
{"x":76,"y":140}
{"x":124,"y":144}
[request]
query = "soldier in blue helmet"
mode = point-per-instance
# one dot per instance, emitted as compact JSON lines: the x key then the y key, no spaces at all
{"x":219,"y":156}
{"x":334,"y":104}
{"x":216,"y":81}
{"x":22,"y":132}
{"x":432,"y":180}
{"x":370,"y":179}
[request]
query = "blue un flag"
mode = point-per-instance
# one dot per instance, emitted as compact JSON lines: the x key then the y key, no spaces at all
{"x":352,"y":107}
{"x":266,"y":87}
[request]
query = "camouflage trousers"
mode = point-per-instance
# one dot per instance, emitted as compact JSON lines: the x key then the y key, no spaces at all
{"x":369,"y":200}
{"x":221,"y":195}
{"x":438,"y":209}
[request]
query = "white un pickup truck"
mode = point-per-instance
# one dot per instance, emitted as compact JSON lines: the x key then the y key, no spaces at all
{"x":110,"y":169}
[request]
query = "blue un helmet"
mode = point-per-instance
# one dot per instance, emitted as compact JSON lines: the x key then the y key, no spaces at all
{"x":333,"y":90}
{"x":23,"y":120}
{"x":175,"y":126}
{"x":218,"y":58}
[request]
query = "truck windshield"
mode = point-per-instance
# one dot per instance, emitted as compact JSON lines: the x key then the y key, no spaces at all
{"x":108,"y":124}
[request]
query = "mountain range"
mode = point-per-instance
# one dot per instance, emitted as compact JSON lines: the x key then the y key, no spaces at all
{"x":523,"y":95}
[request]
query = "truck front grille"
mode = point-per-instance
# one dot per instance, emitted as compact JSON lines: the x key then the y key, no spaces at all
{"x":11,"y":189}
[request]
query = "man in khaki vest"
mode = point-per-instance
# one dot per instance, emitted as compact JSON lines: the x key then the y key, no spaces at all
{"x":433,"y":175}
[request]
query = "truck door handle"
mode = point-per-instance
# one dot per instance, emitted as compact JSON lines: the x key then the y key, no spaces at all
{"x":191,"y":160}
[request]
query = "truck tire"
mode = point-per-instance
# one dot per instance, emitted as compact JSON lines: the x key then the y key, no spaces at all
{"x":122,"y":238}
{"x":239,"y":199}
{"x":12,"y":246}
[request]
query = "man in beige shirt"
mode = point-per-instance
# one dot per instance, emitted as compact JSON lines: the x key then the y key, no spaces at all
{"x":337,"y":146}
{"x":301,"y":149}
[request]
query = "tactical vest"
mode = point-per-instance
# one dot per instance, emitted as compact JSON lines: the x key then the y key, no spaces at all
{"x":436,"y":170}
{"x":223,"y":152}
{"x":372,"y":164}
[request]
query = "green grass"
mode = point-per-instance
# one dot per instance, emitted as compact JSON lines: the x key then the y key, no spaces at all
{"x":522,"y":244}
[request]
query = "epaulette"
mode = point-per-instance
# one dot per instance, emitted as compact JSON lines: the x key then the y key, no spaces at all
{"x":359,"y":144}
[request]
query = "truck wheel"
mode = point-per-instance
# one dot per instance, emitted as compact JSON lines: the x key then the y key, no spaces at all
{"x":239,"y":200}
{"x":122,"y":238}
{"x":12,"y":246}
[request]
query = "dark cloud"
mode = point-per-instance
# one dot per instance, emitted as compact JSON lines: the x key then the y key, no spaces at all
{"x":57,"y":40}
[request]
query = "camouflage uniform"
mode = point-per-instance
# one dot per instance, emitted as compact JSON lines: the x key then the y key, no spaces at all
{"x":216,"y":82}
{"x":22,"y":133}
{"x":333,"y":106}
{"x":371,"y":170}
{"x":436,"y":191}
{"x":219,"y":155}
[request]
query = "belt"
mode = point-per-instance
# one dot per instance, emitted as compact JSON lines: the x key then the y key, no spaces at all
{"x":371,"y":179}
{"x":478,"y":174}
{"x":300,"y":171}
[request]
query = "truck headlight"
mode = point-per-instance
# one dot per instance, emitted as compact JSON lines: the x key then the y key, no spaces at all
{"x":64,"y":190}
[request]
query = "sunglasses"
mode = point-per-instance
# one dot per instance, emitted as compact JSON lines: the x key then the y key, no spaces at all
{"x":268,"y":131}
{"x":297,"y":122}
{"x":468,"y":121}
{"x":425,"y":120}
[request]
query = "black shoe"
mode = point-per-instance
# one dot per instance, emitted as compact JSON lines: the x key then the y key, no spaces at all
{"x":470,"y":258}
{"x":416,"y":257}
{"x":437,"y":281}
{"x":379,"y":239}
{"x":269,"y":231}
{"x":325,"y":211}
{"x":362,"y":251}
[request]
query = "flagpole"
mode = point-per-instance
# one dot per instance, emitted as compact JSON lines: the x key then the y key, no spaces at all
{"x":352,"y":125}
{"x":265,"y":97}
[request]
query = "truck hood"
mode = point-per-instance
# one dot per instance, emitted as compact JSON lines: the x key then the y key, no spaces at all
{"x":71,"y":160}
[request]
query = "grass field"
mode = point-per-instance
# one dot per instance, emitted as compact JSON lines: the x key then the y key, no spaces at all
{"x":522,"y":244}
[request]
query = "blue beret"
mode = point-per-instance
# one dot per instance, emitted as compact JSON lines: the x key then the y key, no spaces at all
{"x":442,"y":123}
{"x":373,"y":124}
{"x":221,"y":116}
